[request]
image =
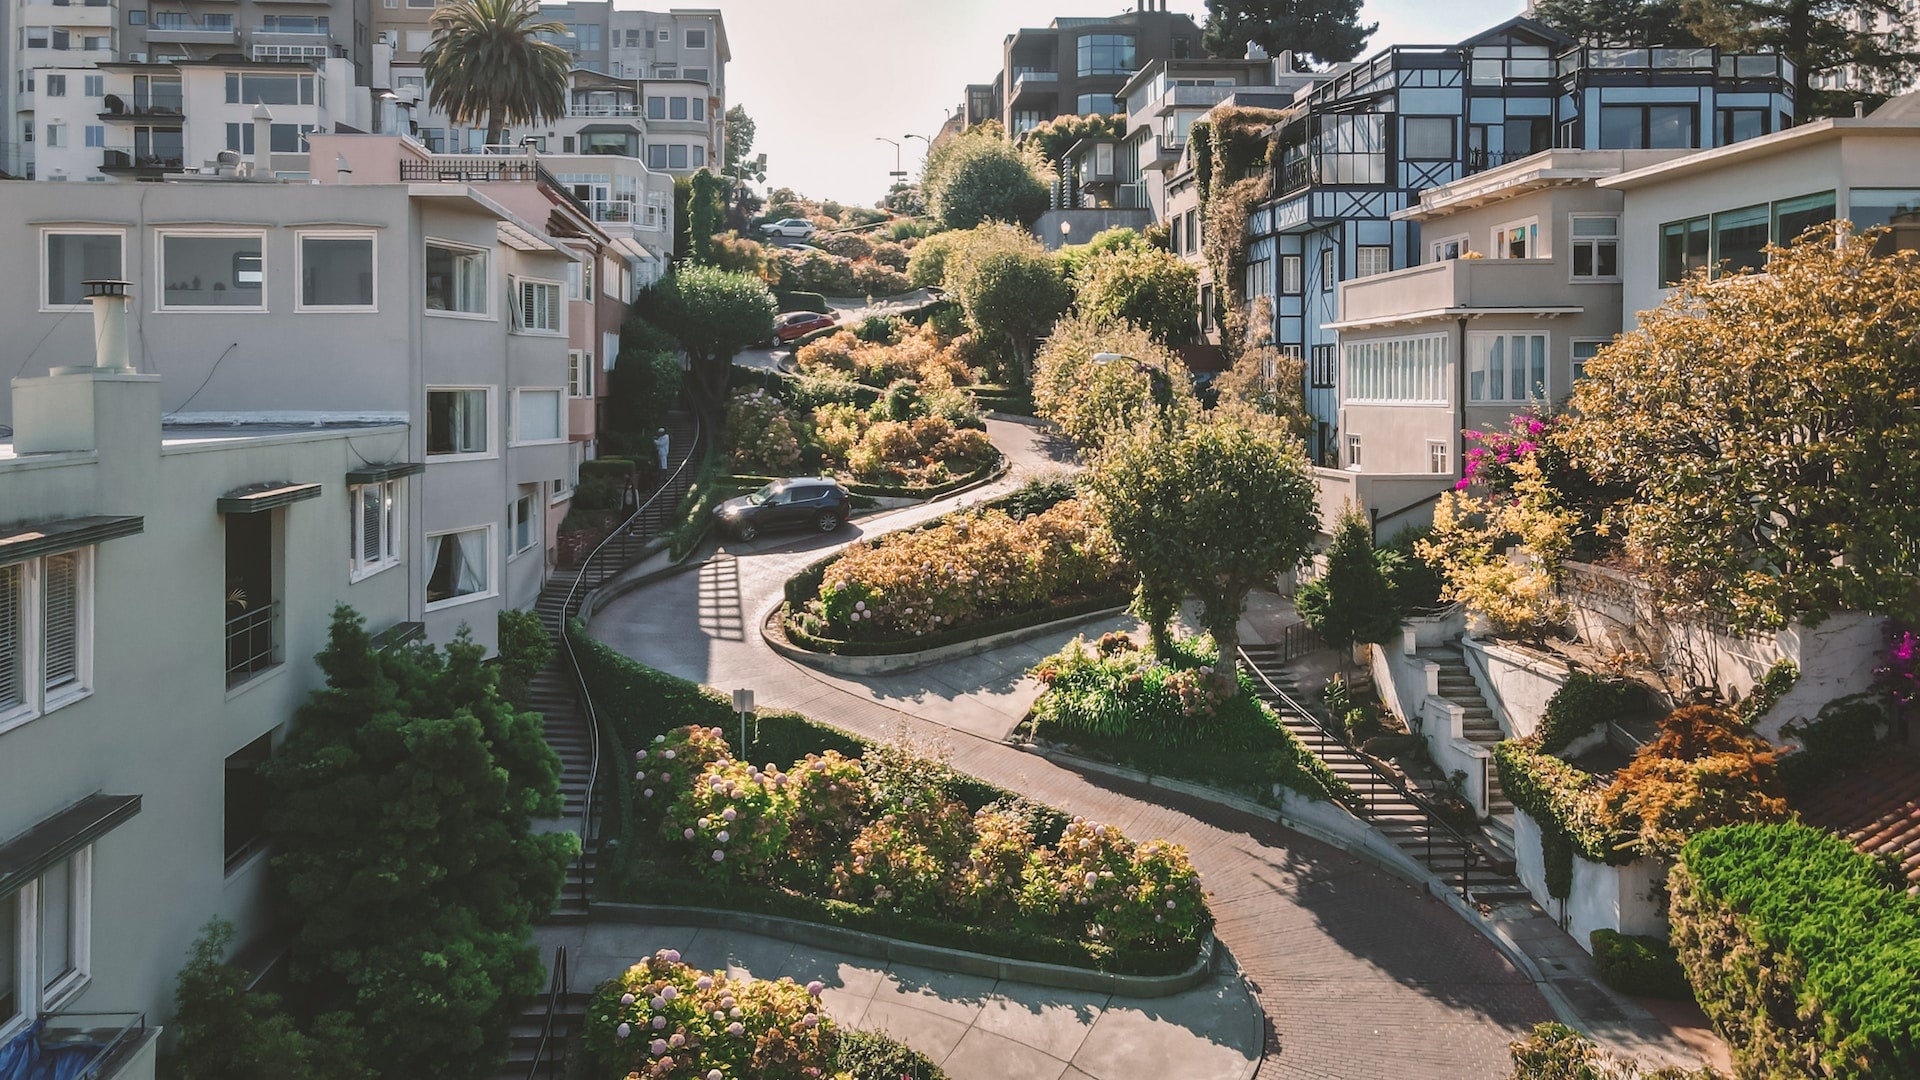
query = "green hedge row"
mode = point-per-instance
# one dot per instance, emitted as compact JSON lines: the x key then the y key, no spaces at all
{"x":795,"y":300}
{"x":1583,"y":703}
{"x":969,"y":632}
{"x":1803,"y":952}
{"x":1639,"y":966}
{"x":805,"y":392}
{"x":1559,"y":796}
{"x":1003,"y":399}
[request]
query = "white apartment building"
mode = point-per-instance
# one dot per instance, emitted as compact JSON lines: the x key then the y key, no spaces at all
{"x":162,"y":589}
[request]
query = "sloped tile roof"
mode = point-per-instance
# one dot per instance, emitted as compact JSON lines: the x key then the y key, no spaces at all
{"x":1875,"y":805}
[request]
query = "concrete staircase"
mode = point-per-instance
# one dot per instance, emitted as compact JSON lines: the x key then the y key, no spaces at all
{"x":1457,"y":685}
{"x":1460,"y":862}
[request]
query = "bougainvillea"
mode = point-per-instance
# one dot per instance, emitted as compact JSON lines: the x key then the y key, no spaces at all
{"x":1900,"y":675}
{"x":663,"y":1020}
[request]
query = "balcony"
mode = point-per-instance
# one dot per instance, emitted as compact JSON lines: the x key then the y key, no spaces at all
{"x":586,"y":110}
{"x":1034,"y":81}
{"x":614,"y":211}
{"x":207,"y":30}
{"x":1193,"y":96}
{"x":122,"y":159}
{"x":74,"y":15}
{"x":1459,"y":287}
{"x":95,"y":1046}
{"x":252,"y":642}
{"x":152,"y":110}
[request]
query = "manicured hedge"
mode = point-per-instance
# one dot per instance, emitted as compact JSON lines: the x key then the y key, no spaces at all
{"x":866,"y":1055}
{"x":1559,"y":796}
{"x":804,"y":393}
{"x":1013,"y":400}
{"x":1802,"y":951}
{"x":695,"y":512}
{"x":608,"y":468}
{"x":795,"y":300}
{"x":1583,"y":703}
{"x":969,"y":632}
{"x":1640,"y":966}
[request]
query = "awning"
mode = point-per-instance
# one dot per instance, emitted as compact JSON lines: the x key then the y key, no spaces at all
{"x":609,"y":129}
{"x":272,"y":495}
{"x":29,"y":854}
{"x":633,"y":247}
{"x":22,"y":542}
{"x":375,"y":474}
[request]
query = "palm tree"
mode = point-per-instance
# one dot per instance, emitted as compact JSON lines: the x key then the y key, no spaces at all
{"x":487,"y":60}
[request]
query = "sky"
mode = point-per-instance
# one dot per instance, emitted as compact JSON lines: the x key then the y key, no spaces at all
{"x":824,"y":80}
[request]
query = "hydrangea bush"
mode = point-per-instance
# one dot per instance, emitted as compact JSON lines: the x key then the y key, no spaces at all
{"x":664,"y":1020}
{"x":764,"y":436}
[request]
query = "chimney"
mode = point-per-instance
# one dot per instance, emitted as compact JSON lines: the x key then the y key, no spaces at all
{"x":109,"y":300}
{"x":1859,"y":110}
{"x":262,"y":141}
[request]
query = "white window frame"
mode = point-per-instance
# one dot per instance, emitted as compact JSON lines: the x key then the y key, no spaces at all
{"x":1575,"y":241}
{"x":1329,"y":268}
{"x":486,"y":291}
{"x":1353,"y":452}
{"x":1503,"y":231}
{"x":1399,"y":371}
{"x":46,"y":282}
{"x":1363,"y":252}
{"x":559,"y":306}
{"x":467,"y":455}
{"x":527,"y":502}
{"x":358,"y":568}
{"x":1576,"y":365}
{"x":1439,"y":457}
{"x":579,"y":373}
{"x":37,"y":1000}
{"x":36,"y":699}
{"x":1292,"y":275}
{"x":1474,"y":340}
{"x":160,"y":238}
{"x":560,"y":397}
{"x":1459,"y":245}
{"x":493,"y":575}
{"x":300,"y":239}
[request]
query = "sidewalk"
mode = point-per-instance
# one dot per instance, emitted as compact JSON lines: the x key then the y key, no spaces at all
{"x":975,"y":1028}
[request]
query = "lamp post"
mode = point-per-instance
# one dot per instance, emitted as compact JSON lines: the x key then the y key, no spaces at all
{"x":898,"y":173}
{"x":1157,"y":376}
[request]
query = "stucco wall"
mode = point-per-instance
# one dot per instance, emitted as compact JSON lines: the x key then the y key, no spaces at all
{"x":1601,"y":897}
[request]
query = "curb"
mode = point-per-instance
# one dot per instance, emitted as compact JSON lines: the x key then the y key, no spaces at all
{"x":889,"y":663}
{"x":894,"y":950}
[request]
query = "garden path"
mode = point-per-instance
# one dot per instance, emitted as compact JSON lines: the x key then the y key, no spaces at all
{"x":1359,"y":975}
{"x":973,"y":1027}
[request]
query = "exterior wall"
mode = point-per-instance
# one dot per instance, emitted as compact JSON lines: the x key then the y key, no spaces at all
{"x":1601,"y":897}
{"x":161,"y":720}
{"x":1517,"y":683}
{"x":1052,"y":54}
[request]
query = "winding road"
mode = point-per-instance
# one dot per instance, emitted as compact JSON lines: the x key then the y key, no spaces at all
{"x":1359,"y":975}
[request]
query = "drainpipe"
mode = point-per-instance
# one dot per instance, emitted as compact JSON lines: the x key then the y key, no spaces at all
{"x":1460,"y":404}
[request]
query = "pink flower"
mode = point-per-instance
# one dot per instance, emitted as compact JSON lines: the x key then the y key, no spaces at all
{"x":626,"y":999}
{"x":736,"y":1029}
{"x":623,"y":1031}
{"x":815,"y":987}
{"x":658,"y":1047}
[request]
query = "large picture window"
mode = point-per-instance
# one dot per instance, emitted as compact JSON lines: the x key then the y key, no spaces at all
{"x":1896,"y":208}
{"x":1506,"y":367}
{"x":1740,"y":240}
{"x":1683,"y":249}
{"x":456,"y":279}
{"x":457,"y":421}
{"x":336,"y":271}
{"x":73,"y":257}
{"x":213,"y":271}
{"x":1403,"y":371}
{"x":461,"y":567}
{"x":1106,"y":54}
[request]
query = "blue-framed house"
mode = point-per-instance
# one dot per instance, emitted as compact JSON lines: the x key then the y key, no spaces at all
{"x":1364,"y":144}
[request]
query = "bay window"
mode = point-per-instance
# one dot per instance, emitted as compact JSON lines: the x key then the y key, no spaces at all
{"x":456,"y":279}
{"x":537,"y":416}
{"x":457,"y":420}
{"x":1404,"y":371}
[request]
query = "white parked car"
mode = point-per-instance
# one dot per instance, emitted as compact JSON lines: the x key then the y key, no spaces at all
{"x":799,"y":228}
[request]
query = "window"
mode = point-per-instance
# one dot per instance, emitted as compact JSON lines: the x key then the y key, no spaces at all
{"x":73,"y":257}
{"x":1320,"y":372}
{"x":457,"y":421}
{"x":656,"y":156}
{"x":36,"y":37}
{"x":1596,"y":247}
{"x":537,"y":416}
{"x":656,"y":108}
{"x":1584,"y":351}
{"x":55,"y":86}
{"x":374,"y":536}
{"x":295,"y":24}
{"x":336,"y":271}
{"x":524,"y":520}
{"x":1259,"y":279}
{"x":1451,"y":247}
{"x":1506,"y":367}
{"x":1520,"y":240}
{"x":46,"y":938}
{"x":213,"y":270}
{"x":1791,"y":217}
{"x":579,"y":373}
{"x":96,"y":136}
{"x":1353,"y":451}
{"x":1740,"y":239}
{"x":1349,"y":149}
{"x":247,"y":798}
{"x":462,"y":567}
{"x":1737,"y":125}
{"x":56,"y":135}
{"x":1370,"y":259}
{"x":1683,"y":249}
{"x":676,"y":157}
{"x":1329,"y":272}
{"x":263,"y":89}
{"x":93,"y":85}
{"x":1290,"y":274}
{"x":456,"y":279}
{"x":1398,"y":370}
{"x":46,"y":634}
{"x":1896,"y":208}
{"x":696,"y":74}
{"x":699,"y":156}
{"x":1106,"y":54}
{"x":1647,"y":127}
{"x":281,"y":138}
{"x":537,"y":307}
{"x":676,"y":108}
{"x":1439,"y":461}
{"x":1428,"y":138}
{"x":696,"y":39}
{"x":417,"y":40}
{"x":1097,"y":105}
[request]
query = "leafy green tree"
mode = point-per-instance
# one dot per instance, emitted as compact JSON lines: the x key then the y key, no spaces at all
{"x":1214,"y":509}
{"x":1635,"y":24}
{"x":713,"y":315}
{"x":706,"y":214}
{"x":488,"y":62}
{"x":1009,"y":289}
{"x":1355,"y":600}
{"x":525,"y":648}
{"x":928,"y":264}
{"x":1053,"y":138}
{"x":220,"y":1031}
{"x":1153,"y":290}
{"x":1767,"y":426}
{"x":1325,"y":31}
{"x":1090,"y":403}
{"x":979,"y":177}
{"x":405,"y":854}
{"x":1819,"y":36}
{"x":645,"y":381}
{"x":741,"y":165}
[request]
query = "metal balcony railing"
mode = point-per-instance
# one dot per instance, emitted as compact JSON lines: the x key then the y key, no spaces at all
{"x":591,"y":110}
{"x":87,"y":1046}
{"x":252,"y":645}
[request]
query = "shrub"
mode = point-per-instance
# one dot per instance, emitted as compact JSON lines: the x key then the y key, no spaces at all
{"x":1565,"y":801}
{"x":830,"y":354}
{"x":795,"y":300}
{"x":883,"y":329}
{"x":1415,"y":580}
{"x":1557,"y":1052}
{"x":664,"y":1020}
{"x":1768,"y":691}
{"x":892,"y":256}
{"x":1040,"y":494}
{"x":928,"y":264}
{"x":525,"y":648}
{"x":222,"y":1032}
{"x":1584,"y":702}
{"x":874,"y":279}
{"x":847,"y":245}
{"x":1639,"y":966}
{"x":1801,"y":952}
{"x":863,"y":1055}
{"x":1844,"y":734}
{"x":1703,"y":769}
{"x":763,"y":434}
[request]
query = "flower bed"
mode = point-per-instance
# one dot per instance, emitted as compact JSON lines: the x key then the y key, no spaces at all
{"x":918,"y":353}
{"x":1166,"y":717}
{"x":963,"y":571}
{"x":664,"y":1020}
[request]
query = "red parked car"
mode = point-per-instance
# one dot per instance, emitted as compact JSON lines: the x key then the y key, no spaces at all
{"x":794,"y":324}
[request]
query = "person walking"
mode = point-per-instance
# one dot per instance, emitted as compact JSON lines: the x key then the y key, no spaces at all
{"x":660,"y":451}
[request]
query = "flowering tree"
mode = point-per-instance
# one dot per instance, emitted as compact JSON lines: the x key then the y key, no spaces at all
{"x":1769,"y":426}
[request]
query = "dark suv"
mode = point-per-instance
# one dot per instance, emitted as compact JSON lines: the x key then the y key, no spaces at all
{"x":810,"y":503}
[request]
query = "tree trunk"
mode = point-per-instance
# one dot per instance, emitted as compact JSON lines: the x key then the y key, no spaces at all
{"x":1223,"y":622}
{"x":1157,"y":603}
{"x":496,"y":128}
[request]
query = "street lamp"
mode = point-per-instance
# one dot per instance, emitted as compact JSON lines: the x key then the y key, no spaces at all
{"x":898,"y":173}
{"x":1158,"y":378}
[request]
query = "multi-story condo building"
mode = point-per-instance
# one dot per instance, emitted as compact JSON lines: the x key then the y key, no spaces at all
{"x":1362,"y":145}
{"x":430,"y":304}
{"x":1078,"y":66}
{"x":162,"y":589}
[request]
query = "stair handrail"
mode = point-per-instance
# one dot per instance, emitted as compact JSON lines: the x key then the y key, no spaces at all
{"x":1470,"y":850}
{"x":557,"y":981}
{"x":573,"y":661}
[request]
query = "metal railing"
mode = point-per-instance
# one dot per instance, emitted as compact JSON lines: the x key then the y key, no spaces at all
{"x":1379,"y":781}
{"x":107,"y":1039}
{"x":557,"y":982}
{"x":1297,"y":641}
{"x":251,"y":644}
{"x":1295,"y":175}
